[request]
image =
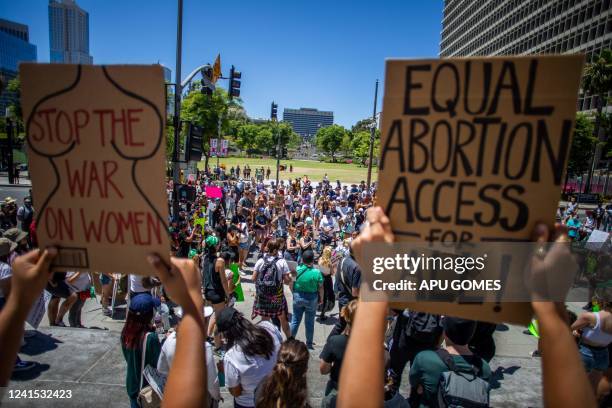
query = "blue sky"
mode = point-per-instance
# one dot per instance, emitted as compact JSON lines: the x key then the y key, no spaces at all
{"x":321,"y":54}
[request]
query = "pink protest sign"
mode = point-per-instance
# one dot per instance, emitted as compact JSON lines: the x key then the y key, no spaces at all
{"x":214,"y":192}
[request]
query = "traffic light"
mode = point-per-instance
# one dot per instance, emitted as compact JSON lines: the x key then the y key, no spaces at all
{"x":273,"y":111}
{"x":234,"y":83}
{"x":193,"y":143}
{"x":208,"y":87}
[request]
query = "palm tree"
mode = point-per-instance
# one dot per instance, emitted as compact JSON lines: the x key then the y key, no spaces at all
{"x":597,"y":80}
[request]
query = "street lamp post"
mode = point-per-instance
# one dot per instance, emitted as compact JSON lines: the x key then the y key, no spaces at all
{"x":372,"y":136}
{"x":10,"y":127}
{"x":177,"y":111}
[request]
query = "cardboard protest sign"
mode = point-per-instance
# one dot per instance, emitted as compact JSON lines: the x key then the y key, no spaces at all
{"x":597,"y":240}
{"x":95,"y":137}
{"x":214,"y":192}
{"x":474,"y":150}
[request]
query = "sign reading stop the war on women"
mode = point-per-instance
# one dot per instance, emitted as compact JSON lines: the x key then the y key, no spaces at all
{"x":96,"y":149}
{"x":475,"y":150}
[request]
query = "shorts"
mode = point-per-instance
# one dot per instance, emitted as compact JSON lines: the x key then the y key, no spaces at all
{"x":594,"y":358}
{"x":244,"y":245}
{"x":61,"y":290}
{"x":105,"y":280}
{"x":214,"y":297}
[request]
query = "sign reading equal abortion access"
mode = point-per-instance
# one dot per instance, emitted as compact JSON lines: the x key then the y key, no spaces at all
{"x":475,"y":150}
{"x":96,"y":148}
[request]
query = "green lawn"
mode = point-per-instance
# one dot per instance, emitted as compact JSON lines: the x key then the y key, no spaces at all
{"x":346,"y":173}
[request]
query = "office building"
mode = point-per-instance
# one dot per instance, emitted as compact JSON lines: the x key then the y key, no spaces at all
{"x":68,"y":33}
{"x":14,"y":49}
{"x":521,"y":27}
{"x":307,"y":121}
{"x":167,"y":74}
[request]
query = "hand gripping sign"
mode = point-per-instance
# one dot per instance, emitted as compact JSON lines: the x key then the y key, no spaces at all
{"x":475,"y":150}
{"x":95,"y":137}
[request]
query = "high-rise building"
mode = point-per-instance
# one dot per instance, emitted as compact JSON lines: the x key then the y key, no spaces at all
{"x":68,"y":33}
{"x":306,"y":122}
{"x":14,"y":48}
{"x":520,"y":27}
{"x":167,"y":74}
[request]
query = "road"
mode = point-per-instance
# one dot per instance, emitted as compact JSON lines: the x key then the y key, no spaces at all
{"x":16,"y":192}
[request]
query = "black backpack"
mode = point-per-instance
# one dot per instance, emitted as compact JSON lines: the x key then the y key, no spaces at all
{"x":267,"y":282}
{"x":462,"y":389}
{"x":424,"y":328}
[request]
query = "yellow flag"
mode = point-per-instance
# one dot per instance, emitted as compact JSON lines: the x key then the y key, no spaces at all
{"x":216,"y":69}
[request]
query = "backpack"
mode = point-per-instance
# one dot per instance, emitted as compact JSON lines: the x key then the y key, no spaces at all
{"x":424,"y":328}
{"x":460,"y":389}
{"x":267,"y":282}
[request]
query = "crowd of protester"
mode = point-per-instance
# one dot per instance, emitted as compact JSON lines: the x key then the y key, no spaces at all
{"x":300,"y":239}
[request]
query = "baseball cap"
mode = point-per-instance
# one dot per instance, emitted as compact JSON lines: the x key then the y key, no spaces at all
{"x":226,"y":318}
{"x":459,"y":331}
{"x":143,"y":303}
{"x":6,"y":246}
{"x":211,"y":241}
{"x":14,"y":234}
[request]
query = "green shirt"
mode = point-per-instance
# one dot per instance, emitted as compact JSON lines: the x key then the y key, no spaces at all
{"x":426,"y":370}
{"x":133,"y":358}
{"x":308,"y":279}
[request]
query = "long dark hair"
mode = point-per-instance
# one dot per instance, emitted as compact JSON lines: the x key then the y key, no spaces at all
{"x":136,"y":326}
{"x":253,"y":340}
{"x":286,"y":386}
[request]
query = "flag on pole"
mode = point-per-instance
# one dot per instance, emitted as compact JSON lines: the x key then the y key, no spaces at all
{"x":216,"y":69}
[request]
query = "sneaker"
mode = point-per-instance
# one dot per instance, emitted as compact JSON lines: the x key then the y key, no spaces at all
{"x":60,"y":324}
{"x":310,"y":347}
{"x":107,"y":311}
{"x":23,"y":366}
{"x":536,"y":353}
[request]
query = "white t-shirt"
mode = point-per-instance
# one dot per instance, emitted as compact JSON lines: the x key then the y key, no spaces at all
{"x":281,"y":266}
{"x":5,"y":273}
{"x":167,"y":355}
{"x":244,"y":233}
{"x":249,"y":371}
{"x":81,"y":283}
{"x":136,"y":284}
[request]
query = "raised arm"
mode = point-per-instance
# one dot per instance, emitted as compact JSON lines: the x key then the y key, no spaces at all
{"x":30,"y":275}
{"x":186,"y":385}
{"x":564,"y":378}
{"x":363,"y":362}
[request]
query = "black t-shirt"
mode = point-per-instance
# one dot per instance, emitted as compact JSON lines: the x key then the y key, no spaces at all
{"x":184,"y":246}
{"x":348,"y":277}
{"x":260,"y":219}
{"x":59,"y":277}
{"x":333,"y":353}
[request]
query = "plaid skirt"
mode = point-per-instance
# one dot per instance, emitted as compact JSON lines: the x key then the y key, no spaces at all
{"x":270,"y":305}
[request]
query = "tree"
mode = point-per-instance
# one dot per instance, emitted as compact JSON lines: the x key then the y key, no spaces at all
{"x":362,"y":126}
{"x":360,"y":145}
{"x":597,"y":80}
{"x":582,"y":146}
{"x":263,"y":137}
{"x":289,"y":139}
{"x":246,"y":137}
{"x":206,"y":111}
{"x":14,"y":87}
{"x":329,"y":139}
